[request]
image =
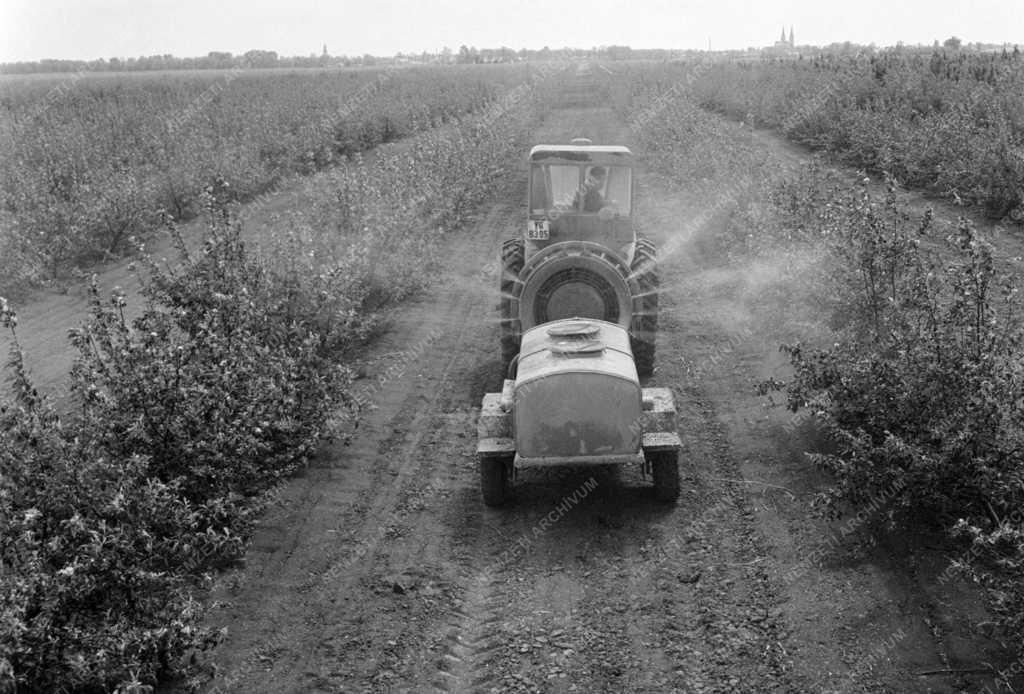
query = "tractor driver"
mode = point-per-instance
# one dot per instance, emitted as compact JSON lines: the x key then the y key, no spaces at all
{"x":593,"y":201}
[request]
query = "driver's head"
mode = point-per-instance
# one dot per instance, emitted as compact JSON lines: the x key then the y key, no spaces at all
{"x":597,"y":175}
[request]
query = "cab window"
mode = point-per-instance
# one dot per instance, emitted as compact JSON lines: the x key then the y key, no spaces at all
{"x":616,"y":190}
{"x":563,"y":187}
{"x":554,"y":185}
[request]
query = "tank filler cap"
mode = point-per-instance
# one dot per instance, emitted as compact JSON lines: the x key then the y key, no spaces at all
{"x":577,"y":338}
{"x":574,"y":328}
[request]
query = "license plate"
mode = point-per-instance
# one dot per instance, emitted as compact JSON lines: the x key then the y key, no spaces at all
{"x":538,"y":230}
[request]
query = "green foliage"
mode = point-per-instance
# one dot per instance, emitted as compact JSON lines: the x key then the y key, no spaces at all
{"x":997,"y":550}
{"x":921,"y":393}
{"x":385,"y":215}
{"x":791,"y":213}
{"x":85,"y":168}
{"x":923,"y":389}
{"x":187,"y":413}
{"x":219,"y":383}
{"x":91,"y":592}
{"x":688,"y":144}
{"x":947,"y":122}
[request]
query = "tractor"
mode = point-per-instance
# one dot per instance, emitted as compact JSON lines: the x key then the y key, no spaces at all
{"x":581,"y":255}
{"x":579,"y":298}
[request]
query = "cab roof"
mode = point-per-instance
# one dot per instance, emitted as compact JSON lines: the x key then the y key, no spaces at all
{"x":575,"y":154}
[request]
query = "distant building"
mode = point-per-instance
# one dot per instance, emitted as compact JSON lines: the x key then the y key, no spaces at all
{"x":784,"y":46}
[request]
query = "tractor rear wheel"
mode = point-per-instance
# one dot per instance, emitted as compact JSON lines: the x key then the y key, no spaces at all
{"x":496,"y":480}
{"x":513,"y":252}
{"x":665,"y":471}
{"x":645,"y":320}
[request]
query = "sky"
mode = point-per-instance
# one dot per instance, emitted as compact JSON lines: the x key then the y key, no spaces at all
{"x":89,"y":29}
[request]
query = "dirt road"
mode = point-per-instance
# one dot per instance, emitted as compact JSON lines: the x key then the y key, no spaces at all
{"x":380,"y":570}
{"x":383,"y":571}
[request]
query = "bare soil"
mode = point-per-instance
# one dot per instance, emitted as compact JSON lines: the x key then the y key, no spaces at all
{"x":379,"y":569}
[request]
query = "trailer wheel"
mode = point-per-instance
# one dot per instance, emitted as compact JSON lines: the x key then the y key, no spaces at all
{"x":665,"y":470}
{"x":496,"y":480}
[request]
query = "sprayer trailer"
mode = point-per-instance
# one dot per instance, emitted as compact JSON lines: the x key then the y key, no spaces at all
{"x":575,"y":399}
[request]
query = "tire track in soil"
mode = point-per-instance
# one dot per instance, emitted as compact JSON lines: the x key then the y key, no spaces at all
{"x":719,"y":602}
{"x":537,"y":590}
{"x":641,"y":586}
{"x":400,"y":449}
{"x":385,"y":446}
{"x":620,"y":593}
{"x":465,"y":664}
{"x":620,"y":614}
{"x":473,"y":653}
{"x":726,"y":633}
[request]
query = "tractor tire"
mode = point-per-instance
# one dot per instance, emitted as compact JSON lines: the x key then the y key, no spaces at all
{"x":665,"y":471}
{"x":645,"y":320}
{"x":575,"y":279}
{"x":495,"y":480}
{"x":513,"y":253}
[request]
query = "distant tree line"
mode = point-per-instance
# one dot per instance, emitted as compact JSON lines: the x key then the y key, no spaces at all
{"x":211,"y":61}
{"x":222,"y":60}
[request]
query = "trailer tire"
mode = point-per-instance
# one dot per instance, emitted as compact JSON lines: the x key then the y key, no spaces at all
{"x":496,"y":480}
{"x":665,"y":471}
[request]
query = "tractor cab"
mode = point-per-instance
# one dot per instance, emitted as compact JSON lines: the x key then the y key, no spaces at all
{"x":581,"y":192}
{"x":580,"y":256}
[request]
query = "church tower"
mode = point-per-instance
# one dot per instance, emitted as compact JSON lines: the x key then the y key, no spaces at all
{"x":791,"y":44}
